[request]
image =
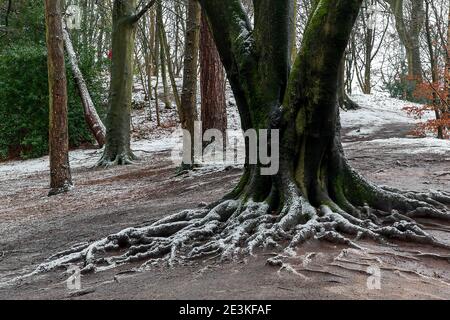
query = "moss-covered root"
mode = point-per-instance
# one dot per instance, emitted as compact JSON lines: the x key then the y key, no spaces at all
{"x":353,"y":188}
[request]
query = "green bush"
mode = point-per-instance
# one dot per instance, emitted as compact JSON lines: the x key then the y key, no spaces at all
{"x":24,"y":102}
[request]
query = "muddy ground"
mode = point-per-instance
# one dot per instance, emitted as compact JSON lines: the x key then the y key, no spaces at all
{"x":33,"y":227}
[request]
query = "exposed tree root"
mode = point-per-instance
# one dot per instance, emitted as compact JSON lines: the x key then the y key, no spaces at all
{"x":234,"y":228}
{"x":125,"y":158}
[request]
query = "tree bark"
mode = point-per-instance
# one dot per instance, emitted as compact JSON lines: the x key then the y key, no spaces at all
{"x":344,"y":101}
{"x":302,"y":103}
{"x":61,"y":179}
{"x":212,"y":79}
{"x":446,"y":111}
{"x":93,"y":120}
{"x":188,"y":106}
{"x":162,"y":56}
{"x":169,"y":64}
{"x":117,"y":148}
{"x":434,"y":70}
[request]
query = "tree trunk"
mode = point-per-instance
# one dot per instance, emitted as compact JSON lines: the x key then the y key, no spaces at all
{"x":410,"y":35}
{"x":344,"y":101}
{"x":367,"y":88}
{"x":169,"y":64}
{"x":188,"y":109}
{"x":61,"y":179}
{"x":93,"y":120}
{"x":212,"y":79}
{"x":434,"y":70}
{"x":446,"y":109}
{"x":117,"y":149}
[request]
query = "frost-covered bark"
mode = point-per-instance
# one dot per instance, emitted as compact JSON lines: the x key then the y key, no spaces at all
{"x":61,"y":179}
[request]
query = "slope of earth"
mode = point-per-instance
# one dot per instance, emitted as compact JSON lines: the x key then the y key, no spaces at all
{"x":33,"y":227}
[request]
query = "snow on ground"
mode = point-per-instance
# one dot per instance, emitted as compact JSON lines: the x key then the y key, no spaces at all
{"x":81,"y":158}
{"x":377,"y":113}
{"x":409,"y":145}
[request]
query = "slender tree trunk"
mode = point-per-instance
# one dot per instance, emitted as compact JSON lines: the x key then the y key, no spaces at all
{"x":344,"y":101}
{"x":446,"y":111}
{"x":162,"y":57}
{"x":8,"y":12}
{"x":157,"y":59}
{"x":165,"y":83}
{"x":169,"y":64}
{"x":367,"y":89}
{"x":434,"y":71}
{"x":212,"y":79}
{"x":61,"y":179}
{"x":293,"y":31}
{"x":93,"y":120}
{"x":409,"y":36}
{"x":150,"y":55}
{"x":187,"y":112}
{"x":117,"y":149}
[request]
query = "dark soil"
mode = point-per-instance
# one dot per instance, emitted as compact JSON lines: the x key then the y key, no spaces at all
{"x":33,"y":227}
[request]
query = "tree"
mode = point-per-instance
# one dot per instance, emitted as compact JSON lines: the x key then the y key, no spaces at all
{"x":366,"y":35}
{"x":409,"y":33}
{"x":117,"y":149}
{"x":212,"y":79}
{"x":60,"y":175}
{"x":433,"y":91}
{"x":188,"y":107}
{"x":344,"y":101}
{"x":315,"y":193}
{"x":91,"y":116}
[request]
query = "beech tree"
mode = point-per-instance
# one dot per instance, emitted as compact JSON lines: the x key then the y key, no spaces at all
{"x":117,"y":147}
{"x":60,"y":176}
{"x":316,"y":193}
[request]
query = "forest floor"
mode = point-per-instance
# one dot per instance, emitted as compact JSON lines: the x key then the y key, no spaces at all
{"x":104,"y":201}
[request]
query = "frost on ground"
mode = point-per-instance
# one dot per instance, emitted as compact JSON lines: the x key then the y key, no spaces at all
{"x":377,"y":112}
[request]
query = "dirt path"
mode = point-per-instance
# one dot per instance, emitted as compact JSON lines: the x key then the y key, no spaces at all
{"x":33,"y":227}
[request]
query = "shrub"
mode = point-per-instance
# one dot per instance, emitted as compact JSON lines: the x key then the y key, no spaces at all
{"x":24,"y":102}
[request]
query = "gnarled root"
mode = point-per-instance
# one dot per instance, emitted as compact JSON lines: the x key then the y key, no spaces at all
{"x":237,"y":227}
